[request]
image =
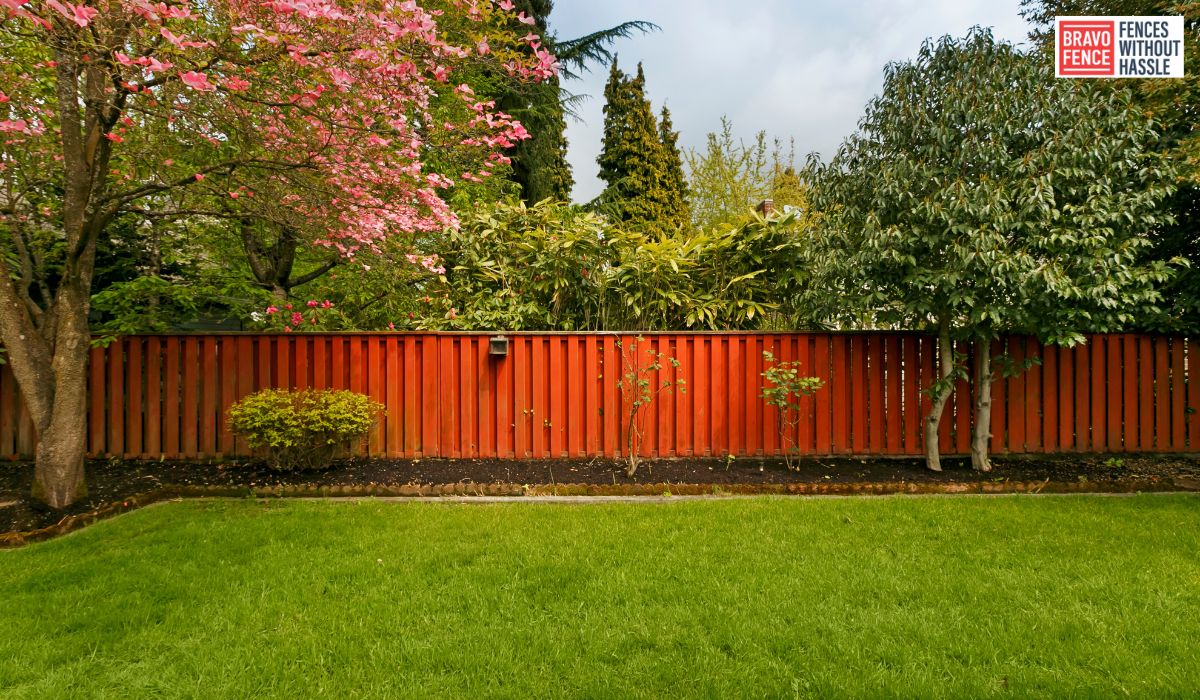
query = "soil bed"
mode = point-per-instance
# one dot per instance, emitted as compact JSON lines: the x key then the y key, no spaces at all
{"x":117,"y":484}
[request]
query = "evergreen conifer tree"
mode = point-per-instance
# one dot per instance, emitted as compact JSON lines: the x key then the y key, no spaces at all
{"x":677,"y":189}
{"x":634,"y":163}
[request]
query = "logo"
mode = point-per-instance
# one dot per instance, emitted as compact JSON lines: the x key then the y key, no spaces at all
{"x":1118,"y":47}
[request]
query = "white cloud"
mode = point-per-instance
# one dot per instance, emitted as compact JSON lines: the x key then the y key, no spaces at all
{"x":802,"y":70}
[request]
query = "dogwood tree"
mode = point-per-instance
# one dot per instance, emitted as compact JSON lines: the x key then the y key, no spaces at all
{"x":319,"y":109}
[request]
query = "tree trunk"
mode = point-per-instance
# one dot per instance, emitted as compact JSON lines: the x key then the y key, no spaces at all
{"x":933,"y":457}
{"x":62,"y":441}
{"x":981,"y":432}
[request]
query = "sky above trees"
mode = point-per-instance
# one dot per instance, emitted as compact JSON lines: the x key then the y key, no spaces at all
{"x":796,"y":69}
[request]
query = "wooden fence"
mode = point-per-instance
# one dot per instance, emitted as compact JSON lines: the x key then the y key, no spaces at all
{"x":556,"y":395}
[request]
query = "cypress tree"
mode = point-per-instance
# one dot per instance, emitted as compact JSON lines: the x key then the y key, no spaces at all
{"x":539,"y":163}
{"x":677,"y":188}
{"x":634,"y":162}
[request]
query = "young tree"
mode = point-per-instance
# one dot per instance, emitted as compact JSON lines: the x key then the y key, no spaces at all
{"x":729,"y":178}
{"x":981,"y":195}
{"x":113,"y":106}
{"x":634,"y":163}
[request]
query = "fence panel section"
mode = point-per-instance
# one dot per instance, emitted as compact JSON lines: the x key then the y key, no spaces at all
{"x":574,"y":395}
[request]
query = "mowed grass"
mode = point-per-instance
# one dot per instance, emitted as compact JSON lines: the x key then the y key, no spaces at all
{"x":904,"y":596}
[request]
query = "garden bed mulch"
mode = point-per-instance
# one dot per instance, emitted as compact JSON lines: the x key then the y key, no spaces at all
{"x":115,"y":485}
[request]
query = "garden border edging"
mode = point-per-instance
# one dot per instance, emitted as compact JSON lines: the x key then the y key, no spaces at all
{"x":11,"y":540}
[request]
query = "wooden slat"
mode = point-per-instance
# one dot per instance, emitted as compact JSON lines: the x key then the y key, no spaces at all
{"x":1114,"y":405}
{"x":575,"y":398}
{"x":1016,"y":397}
{"x":431,"y":407}
{"x":134,"y":399}
{"x":1162,"y":394}
{"x":1129,"y":404}
{"x":999,"y":423}
{"x":894,"y":365}
{"x":736,"y":391}
{"x":96,"y":388}
{"x":963,"y":409}
{"x":116,"y":398}
{"x":858,"y":394}
{"x":720,"y":392}
{"x":610,"y":374}
{"x":593,"y":420}
{"x":394,"y":420}
{"x":245,"y":381}
{"x":839,"y":394}
{"x":1099,"y":417}
{"x":701,"y":395}
{"x":447,"y":398}
{"x":822,"y":400}
{"x":209,"y":396}
{"x":1066,"y":400}
{"x":1178,"y":387}
{"x":1033,"y":397}
{"x":540,"y":399}
{"x":172,"y":400}
{"x":228,"y":359}
{"x":556,"y":391}
{"x":1082,"y":359}
{"x":876,"y":393}
{"x":467,"y":380}
{"x":752,"y":394}
{"x":912,"y":395}
{"x":1050,"y":399}
{"x":410,"y":417}
{"x":152,"y":440}
{"x":485,"y":388}
{"x":1193,"y":395}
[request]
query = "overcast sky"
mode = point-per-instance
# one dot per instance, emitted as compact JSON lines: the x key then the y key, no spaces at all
{"x":796,"y":68}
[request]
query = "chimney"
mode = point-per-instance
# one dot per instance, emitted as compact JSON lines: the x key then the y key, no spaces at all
{"x":765,"y":207}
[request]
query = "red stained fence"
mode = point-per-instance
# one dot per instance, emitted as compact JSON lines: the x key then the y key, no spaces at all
{"x":555,"y":395}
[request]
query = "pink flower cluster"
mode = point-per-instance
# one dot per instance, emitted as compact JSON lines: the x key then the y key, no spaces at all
{"x":429,"y":262}
{"x":291,"y":319}
{"x":339,"y":94}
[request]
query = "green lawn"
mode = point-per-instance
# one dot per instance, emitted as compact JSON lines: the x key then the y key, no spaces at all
{"x":904,"y":596}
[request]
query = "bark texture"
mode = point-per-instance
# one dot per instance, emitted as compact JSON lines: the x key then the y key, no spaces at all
{"x":981,"y":431}
{"x":933,"y":457}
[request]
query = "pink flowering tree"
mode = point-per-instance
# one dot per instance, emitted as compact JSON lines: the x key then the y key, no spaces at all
{"x":318,"y":108}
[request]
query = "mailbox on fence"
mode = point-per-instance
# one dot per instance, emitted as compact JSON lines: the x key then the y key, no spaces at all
{"x":498,"y":345}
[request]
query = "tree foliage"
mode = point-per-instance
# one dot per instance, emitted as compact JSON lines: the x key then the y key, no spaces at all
{"x":645,"y":187}
{"x":556,"y":267}
{"x":1175,"y":105}
{"x":314,"y":117}
{"x":539,"y":164}
{"x":730,"y":178}
{"x":979,"y":196}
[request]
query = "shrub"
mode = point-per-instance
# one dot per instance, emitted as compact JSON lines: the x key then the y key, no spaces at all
{"x":302,"y":429}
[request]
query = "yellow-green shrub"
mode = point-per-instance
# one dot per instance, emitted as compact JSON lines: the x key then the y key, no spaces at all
{"x":303,"y":429}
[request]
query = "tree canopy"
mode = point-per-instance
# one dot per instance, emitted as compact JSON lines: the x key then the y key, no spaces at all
{"x":979,"y":196}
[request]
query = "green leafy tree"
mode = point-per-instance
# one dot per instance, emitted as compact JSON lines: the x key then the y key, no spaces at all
{"x":1175,"y":105}
{"x":634,"y":162}
{"x":980,"y":196}
{"x":729,"y":178}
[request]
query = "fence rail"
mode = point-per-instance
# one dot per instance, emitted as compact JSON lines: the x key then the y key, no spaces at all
{"x":556,"y":395}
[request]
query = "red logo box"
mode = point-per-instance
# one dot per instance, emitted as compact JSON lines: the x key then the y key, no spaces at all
{"x":1086,"y":48}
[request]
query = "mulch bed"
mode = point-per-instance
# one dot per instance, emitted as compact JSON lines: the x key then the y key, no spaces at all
{"x":116,"y":485}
